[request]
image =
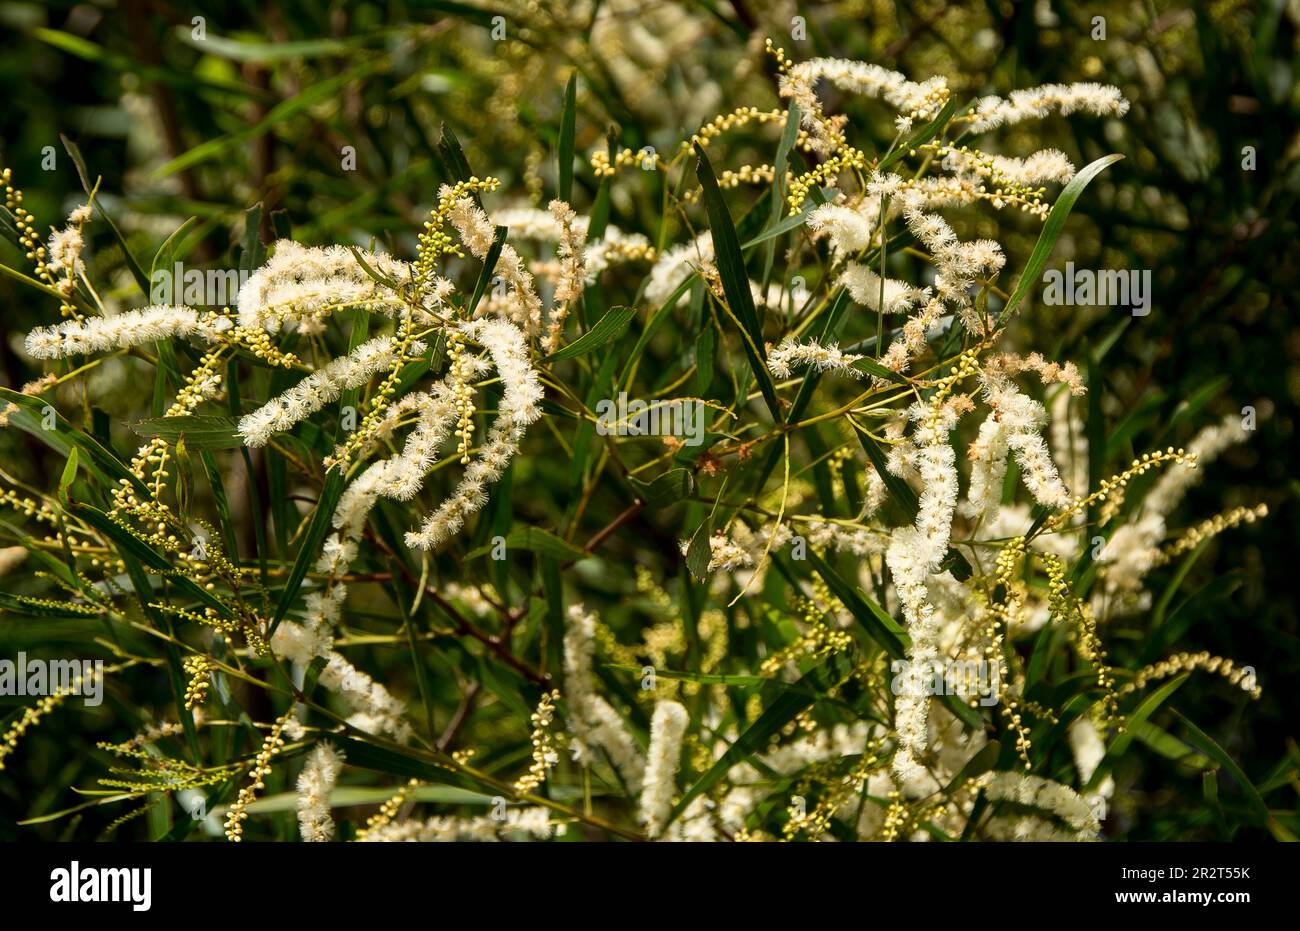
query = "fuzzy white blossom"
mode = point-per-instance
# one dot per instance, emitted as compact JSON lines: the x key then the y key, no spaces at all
{"x":596,"y":256}
{"x":863,"y":286}
{"x":131,"y":328}
{"x":922,"y":100}
{"x":1037,"y":102}
{"x":1133,"y":549}
{"x":791,"y":353}
{"x":322,"y":387}
{"x":520,"y":406}
{"x":523,"y":306}
{"x":914,"y":555}
{"x":1047,"y":796}
{"x":1021,"y":419}
{"x":531,"y":822}
{"x":299,"y":283}
{"x":374,"y":708}
{"x":849,"y":228}
{"x":595,"y":724}
{"x":667,"y":727}
{"x":1206,"y":446}
{"x":315,"y":783}
{"x":1089,"y":750}
{"x":675,"y":265}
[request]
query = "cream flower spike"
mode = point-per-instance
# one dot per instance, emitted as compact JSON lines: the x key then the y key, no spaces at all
{"x":306,"y":283}
{"x":320,"y":388}
{"x":520,"y":406}
{"x":791,"y":353}
{"x":132,"y":328}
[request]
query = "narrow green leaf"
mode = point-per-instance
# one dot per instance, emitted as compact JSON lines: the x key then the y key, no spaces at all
{"x":735,"y":282}
{"x":609,"y":327}
{"x":536,"y":540}
{"x":700,"y":551}
{"x":370,"y":271}
{"x":1207,"y":745}
{"x":921,"y":135}
{"x":666,"y":489}
{"x":200,"y":431}
{"x":778,"y":229}
{"x":1052,"y":230}
{"x":453,"y":155}
{"x":568,"y":128}
{"x":872,"y":367}
{"x":69,"y":475}
{"x":1121,"y":742}
{"x":132,"y":265}
{"x":309,"y":548}
{"x":898,"y":489}
{"x":163,"y":262}
{"x":224,"y":519}
{"x":489,"y":266}
{"x":34,"y":413}
{"x":882,"y":628}
{"x":706,"y":345}
{"x":782,"y":710}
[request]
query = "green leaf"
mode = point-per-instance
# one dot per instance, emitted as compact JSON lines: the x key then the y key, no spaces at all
{"x":536,"y":540}
{"x":739,"y":304}
{"x":1052,"y":230}
{"x":874,"y":619}
{"x":872,"y":367}
{"x":29,"y":281}
{"x":920,"y":136}
{"x":265,"y":52}
{"x":252,"y":252}
{"x":898,"y":489}
{"x":780,"y":712}
{"x":568,"y":128}
{"x":706,"y":345}
{"x":976,"y":766}
{"x":200,"y":431}
{"x":1207,"y":745}
{"x":779,"y":229}
{"x":69,"y":475}
{"x":608,"y":328}
{"x":666,"y":489}
{"x":499,"y":234}
{"x":163,"y":261}
{"x":224,"y":519}
{"x":309,"y":549}
{"x":100,"y":461}
{"x":1121,"y":742}
{"x":136,"y":271}
{"x":700,"y":551}
{"x":403,"y":763}
{"x":370,"y":271}
{"x":312,"y":95}
{"x":132,"y":546}
{"x":453,"y":155}
{"x":789,"y":135}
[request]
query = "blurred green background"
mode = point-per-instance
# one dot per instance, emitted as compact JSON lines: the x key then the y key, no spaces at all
{"x":204,"y":109}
